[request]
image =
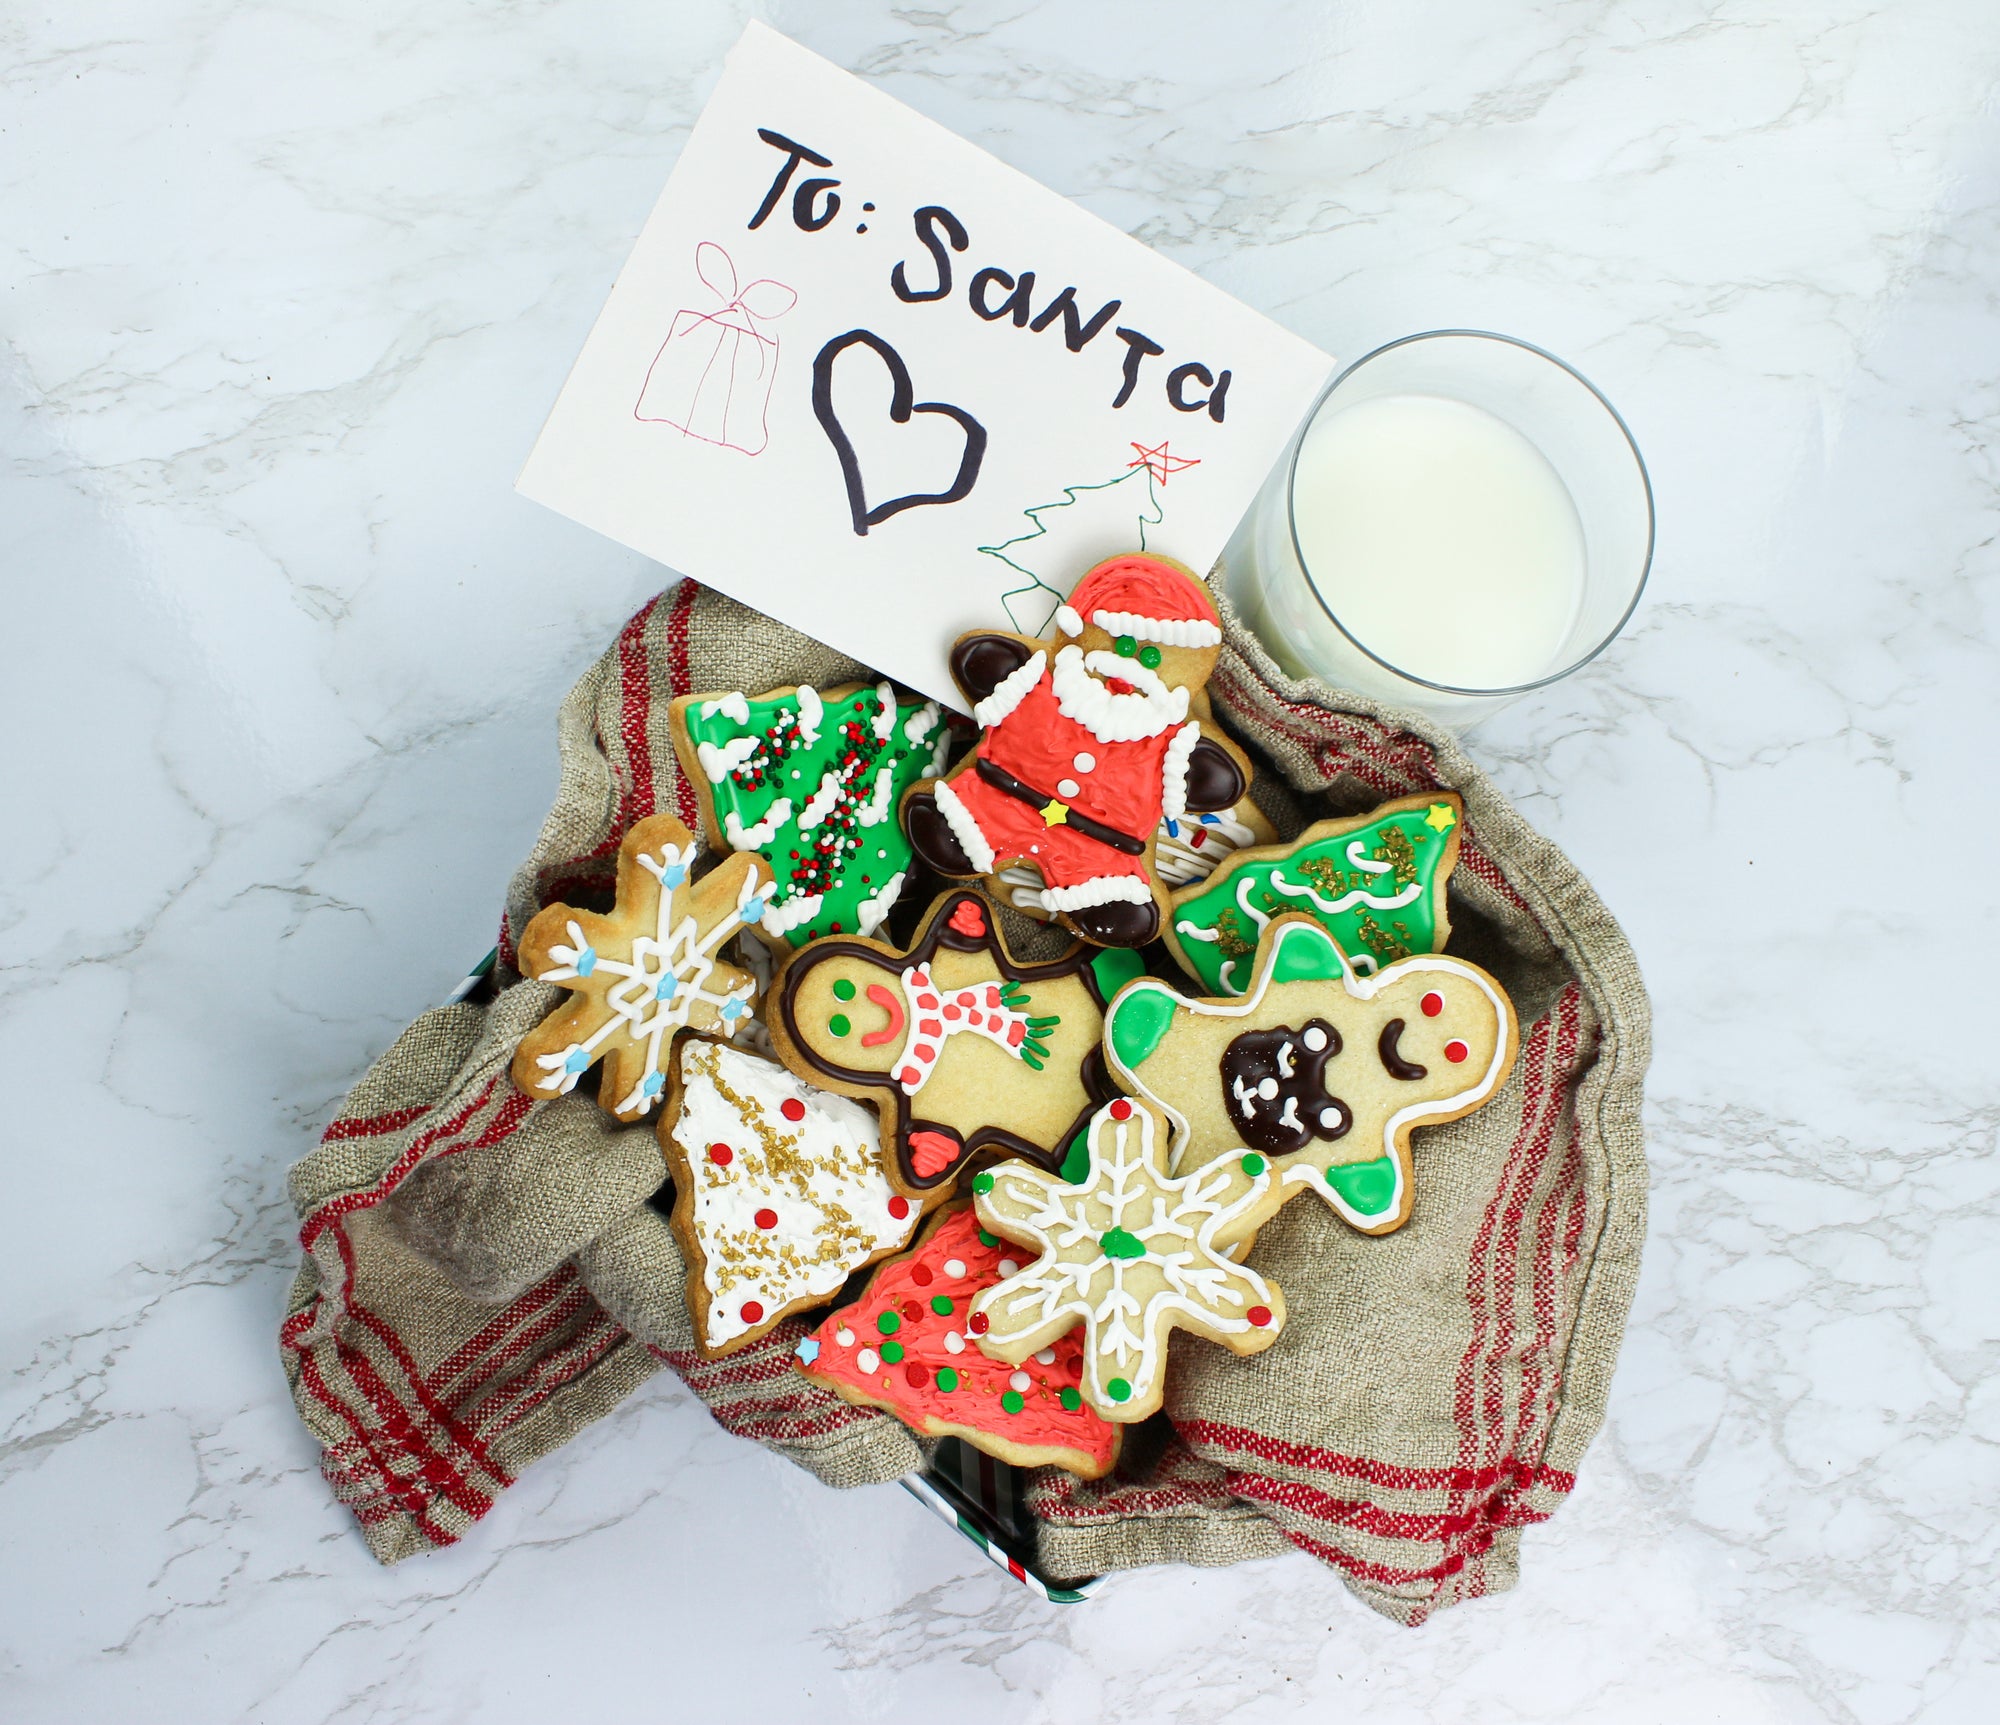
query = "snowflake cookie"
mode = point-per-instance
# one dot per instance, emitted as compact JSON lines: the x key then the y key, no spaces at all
{"x":903,"y":1346}
{"x":1324,"y":1069}
{"x":642,"y":973}
{"x":1132,"y":1253}
{"x":961,"y":1047}
{"x":779,"y":1194}
{"x":811,"y":780}
{"x":1375,"y":882}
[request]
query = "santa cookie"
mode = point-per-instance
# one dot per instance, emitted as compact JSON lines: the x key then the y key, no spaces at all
{"x":642,"y":973}
{"x":1090,"y":739}
{"x":1130,"y":1253}
{"x":779,"y":1194}
{"x":961,"y":1047}
{"x":811,"y":781}
{"x":1375,"y":882}
{"x":1324,"y":1069}
{"x":903,"y":1346}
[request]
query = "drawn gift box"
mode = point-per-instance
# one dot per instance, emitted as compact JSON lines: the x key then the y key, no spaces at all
{"x":712,"y":376}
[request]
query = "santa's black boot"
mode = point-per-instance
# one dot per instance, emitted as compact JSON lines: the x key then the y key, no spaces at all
{"x":931,"y":836}
{"x":1120,"y":923}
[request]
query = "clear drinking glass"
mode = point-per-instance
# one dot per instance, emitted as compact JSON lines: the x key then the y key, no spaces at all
{"x":1462,"y":518}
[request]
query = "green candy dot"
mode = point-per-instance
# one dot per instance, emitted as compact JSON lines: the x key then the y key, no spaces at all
{"x":982,"y":1182}
{"x":1118,"y":1390}
{"x":1126,"y":646}
{"x":1253,"y":1164}
{"x":1370,"y":1187}
{"x":892,"y":1352}
{"x":1150,"y":658}
{"x":843,"y":990}
{"x":941,"y":1304}
{"x":838,"y":1024}
{"x":1070,"y":1400}
{"x":1012,"y":1402}
{"x":889,"y":1323}
{"x":947,"y":1378}
{"x":1117,"y":1243}
{"x":986,"y":1239}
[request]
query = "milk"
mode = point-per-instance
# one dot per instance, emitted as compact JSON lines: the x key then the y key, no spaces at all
{"x":1438,"y":535}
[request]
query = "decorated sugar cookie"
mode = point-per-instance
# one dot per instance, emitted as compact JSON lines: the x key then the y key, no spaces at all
{"x":1131,"y":1253}
{"x":1185,"y":851}
{"x":642,"y":973}
{"x":811,"y":780}
{"x":779,"y":1193}
{"x":904,"y":1346}
{"x":1375,"y":882}
{"x":1323,"y":1069}
{"x":1090,"y":739}
{"x":962,"y":1048}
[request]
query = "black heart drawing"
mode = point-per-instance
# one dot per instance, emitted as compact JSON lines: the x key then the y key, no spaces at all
{"x":901,"y":405}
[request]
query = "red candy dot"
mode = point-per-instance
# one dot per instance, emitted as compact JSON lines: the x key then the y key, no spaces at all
{"x":899,"y":1206}
{"x":753,"y":1311}
{"x":1259,"y":1315}
{"x":1432,"y":1004}
{"x":976,"y":1323}
{"x":913,"y":1311}
{"x":792,"y":1108}
{"x":916,"y":1376}
{"x":721,"y":1155}
{"x":1455,"y":1052}
{"x":1121,"y":1109}
{"x":922,"y":1275}
{"x":766,"y":1218}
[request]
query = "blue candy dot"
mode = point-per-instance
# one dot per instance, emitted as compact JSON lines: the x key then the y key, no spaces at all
{"x":732,"y":1009}
{"x":577,"y":1061}
{"x":586,"y":961}
{"x":753,"y":911}
{"x":674,"y":873}
{"x":655,"y":1083}
{"x":666,"y":989}
{"x":808,"y":1350}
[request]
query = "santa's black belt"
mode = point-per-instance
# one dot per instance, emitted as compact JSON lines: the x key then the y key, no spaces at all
{"x":1002,"y":780}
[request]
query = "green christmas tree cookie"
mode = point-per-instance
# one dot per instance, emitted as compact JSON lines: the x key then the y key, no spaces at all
{"x":1375,"y":882}
{"x":811,"y":780}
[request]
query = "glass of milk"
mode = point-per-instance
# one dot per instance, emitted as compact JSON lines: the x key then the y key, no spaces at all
{"x":1461,"y":519}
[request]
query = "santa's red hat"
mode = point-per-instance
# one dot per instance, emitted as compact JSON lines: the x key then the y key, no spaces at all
{"x":1146,"y":599}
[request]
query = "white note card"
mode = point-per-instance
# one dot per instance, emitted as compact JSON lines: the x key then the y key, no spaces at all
{"x":862,"y":376}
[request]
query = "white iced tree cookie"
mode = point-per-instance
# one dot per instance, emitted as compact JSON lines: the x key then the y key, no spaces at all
{"x":1132,"y":1253}
{"x":642,"y":973}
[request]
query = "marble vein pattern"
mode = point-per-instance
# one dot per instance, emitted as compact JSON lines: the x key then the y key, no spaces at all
{"x":287,"y":291}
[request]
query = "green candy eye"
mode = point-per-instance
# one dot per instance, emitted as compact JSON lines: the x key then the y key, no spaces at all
{"x":1126,"y":646}
{"x":1150,"y":658}
{"x":843,"y":990}
{"x":838,"y":1024}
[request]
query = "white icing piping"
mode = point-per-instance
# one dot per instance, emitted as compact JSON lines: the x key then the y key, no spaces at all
{"x":744,"y":838}
{"x":1104,"y":889}
{"x":965,"y":829}
{"x":1107,"y":717}
{"x":811,"y":710}
{"x":1168,"y":631}
{"x":719,"y":763}
{"x":1173,"y":780}
{"x":734,"y":707}
{"x":1011,"y":690}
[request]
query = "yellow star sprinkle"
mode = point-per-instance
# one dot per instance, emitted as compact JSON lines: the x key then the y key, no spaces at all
{"x":1441,"y":817}
{"x":1055,"y":814}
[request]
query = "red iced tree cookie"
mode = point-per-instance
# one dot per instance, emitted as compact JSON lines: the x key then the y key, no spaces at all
{"x":905,"y":1345}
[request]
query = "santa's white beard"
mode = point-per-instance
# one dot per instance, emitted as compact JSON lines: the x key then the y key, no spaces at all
{"x":1146,"y":712}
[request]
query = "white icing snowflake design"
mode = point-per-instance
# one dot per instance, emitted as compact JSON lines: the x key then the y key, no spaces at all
{"x":1132,"y":1254}
{"x":665,"y":977}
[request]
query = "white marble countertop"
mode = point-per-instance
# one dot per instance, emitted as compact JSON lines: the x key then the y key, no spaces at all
{"x":287,"y":292}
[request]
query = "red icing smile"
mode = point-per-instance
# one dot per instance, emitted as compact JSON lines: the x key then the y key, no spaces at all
{"x":886,"y":999}
{"x":1118,"y":686}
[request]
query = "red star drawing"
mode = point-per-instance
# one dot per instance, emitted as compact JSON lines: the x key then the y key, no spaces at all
{"x":1159,"y":463}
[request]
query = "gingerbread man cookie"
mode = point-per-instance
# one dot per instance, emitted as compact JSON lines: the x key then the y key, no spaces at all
{"x":642,"y":973}
{"x":810,"y":780}
{"x":1131,"y":1253}
{"x":960,"y":1046}
{"x":1090,"y":738}
{"x":1375,"y":882}
{"x":1323,"y":1069}
{"x":779,"y":1194}
{"x":903,"y":1346}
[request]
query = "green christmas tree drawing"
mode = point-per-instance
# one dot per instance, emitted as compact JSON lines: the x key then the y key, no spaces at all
{"x":1068,"y":534}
